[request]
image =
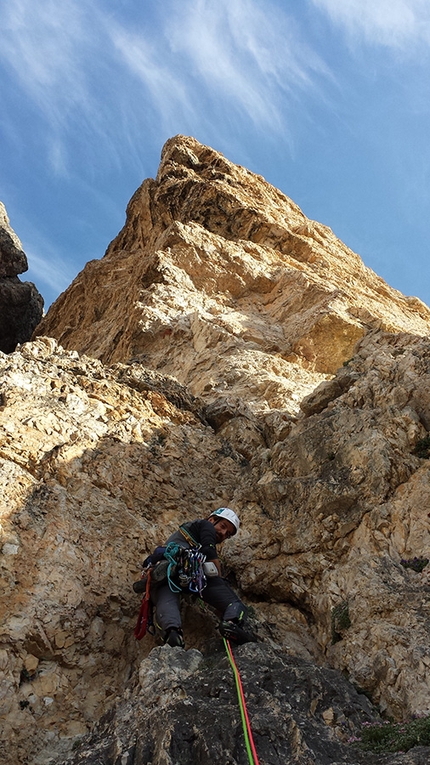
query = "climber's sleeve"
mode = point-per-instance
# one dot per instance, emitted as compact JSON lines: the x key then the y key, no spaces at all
{"x":204,"y":533}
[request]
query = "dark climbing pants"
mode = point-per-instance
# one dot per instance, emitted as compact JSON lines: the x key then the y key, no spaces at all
{"x":217,"y":593}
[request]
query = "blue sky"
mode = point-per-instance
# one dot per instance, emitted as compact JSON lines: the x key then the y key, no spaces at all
{"x":327,"y":99}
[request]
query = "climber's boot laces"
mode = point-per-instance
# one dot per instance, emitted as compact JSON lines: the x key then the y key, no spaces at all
{"x":237,"y":632}
{"x":174,"y":638}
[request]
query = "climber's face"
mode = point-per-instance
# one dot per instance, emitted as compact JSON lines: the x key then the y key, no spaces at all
{"x":223,"y":528}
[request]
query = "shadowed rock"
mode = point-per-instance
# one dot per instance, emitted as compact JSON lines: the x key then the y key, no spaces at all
{"x":21,"y":305}
{"x":299,"y":713}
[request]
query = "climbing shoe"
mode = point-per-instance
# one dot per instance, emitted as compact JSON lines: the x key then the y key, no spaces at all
{"x":140,"y":585}
{"x":174,"y":638}
{"x":236,"y":632}
{"x":159,"y":572}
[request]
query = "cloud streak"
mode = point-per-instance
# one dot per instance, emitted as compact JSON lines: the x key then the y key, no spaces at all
{"x":156,"y":80}
{"x":192,"y":64}
{"x":48,"y":271}
{"x":250,"y":57}
{"x":398,"y":24}
{"x":41,"y":45}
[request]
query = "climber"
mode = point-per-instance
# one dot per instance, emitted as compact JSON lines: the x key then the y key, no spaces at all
{"x":202,"y":535}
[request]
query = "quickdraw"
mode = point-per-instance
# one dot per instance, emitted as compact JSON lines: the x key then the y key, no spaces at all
{"x":186,"y":565}
{"x":246,"y":725}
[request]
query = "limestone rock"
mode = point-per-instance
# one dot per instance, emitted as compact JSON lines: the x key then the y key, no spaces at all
{"x":223,"y":367}
{"x":327,"y":391}
{"x":93,"y":474}
{"x":213,"y":258}
{"x":348,"y":500}
{"x":98,"y":466}
{"x":21,"y":305}
{"x":186,"y":711}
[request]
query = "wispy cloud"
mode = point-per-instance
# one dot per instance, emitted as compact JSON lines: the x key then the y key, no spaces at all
{"x":161,"y":84}
{"x":250,"y":56}
{"x":45,"y":49}
{"x":392,"y":23}
{"x":41,"y":45}
{"x":48,"y":271}
{"x":93,"y":71}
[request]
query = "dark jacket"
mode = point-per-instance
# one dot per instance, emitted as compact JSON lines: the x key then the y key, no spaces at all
{"x":202,"y":533}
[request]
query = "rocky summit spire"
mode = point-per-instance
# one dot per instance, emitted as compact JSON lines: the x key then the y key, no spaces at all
{"x":211,"y":259}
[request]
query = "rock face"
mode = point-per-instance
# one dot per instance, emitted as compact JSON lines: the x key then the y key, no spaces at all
{"x":214,"y":326}
{"x":220,"y":280}
{"x":199,"y":721}
{"x":21,"y":305}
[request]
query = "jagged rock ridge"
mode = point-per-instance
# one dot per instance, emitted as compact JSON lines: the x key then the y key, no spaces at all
{"x":21,"y":305}
{"x":329,"y":474}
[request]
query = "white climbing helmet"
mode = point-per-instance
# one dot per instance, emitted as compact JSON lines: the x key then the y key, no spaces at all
{"x":229,"y":515}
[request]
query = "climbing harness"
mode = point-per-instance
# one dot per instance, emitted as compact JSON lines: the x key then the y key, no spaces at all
{"x":183,"y":569}
{"x":144,"y":620}
{"x":246,"y":725}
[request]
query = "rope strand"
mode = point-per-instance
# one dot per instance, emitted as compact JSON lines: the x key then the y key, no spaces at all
{"x":249,"y":741}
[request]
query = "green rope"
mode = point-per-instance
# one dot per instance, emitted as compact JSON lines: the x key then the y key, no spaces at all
{"x":241,"y":707}
{"x":170,"y":555}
